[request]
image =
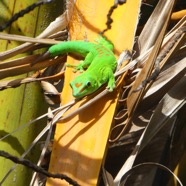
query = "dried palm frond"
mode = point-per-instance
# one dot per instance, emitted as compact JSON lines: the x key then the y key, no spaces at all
{"x":150,"y":87}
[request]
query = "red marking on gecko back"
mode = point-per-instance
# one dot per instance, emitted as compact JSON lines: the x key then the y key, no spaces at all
{"x":101,"y":52}
{"x":77,"y":85}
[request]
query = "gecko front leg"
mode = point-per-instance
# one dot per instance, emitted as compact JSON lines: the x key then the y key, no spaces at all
{"x":84,"y":64}
{"x":76,"y":68}
{"x":108,"y":73}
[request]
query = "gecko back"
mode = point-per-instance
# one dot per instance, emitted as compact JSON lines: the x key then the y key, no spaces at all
{"x":106,"y":43}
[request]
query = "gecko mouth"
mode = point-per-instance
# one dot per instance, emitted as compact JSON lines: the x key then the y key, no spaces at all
{"x":82,"y":89}
{"x":75,"y":94}
{"x":88,"y":84}
{"x":79,"y":94}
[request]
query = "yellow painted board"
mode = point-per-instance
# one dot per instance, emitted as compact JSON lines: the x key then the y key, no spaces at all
{"x":80,"y":142}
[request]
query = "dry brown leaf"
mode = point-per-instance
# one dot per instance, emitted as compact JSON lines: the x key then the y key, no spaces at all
{"x":169,"y":105}
{"x":153,"y":26}
{"x":23,"y":65}
{"x":135,"y":97}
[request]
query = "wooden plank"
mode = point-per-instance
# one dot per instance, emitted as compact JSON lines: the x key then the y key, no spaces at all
{"x":80,"y":142}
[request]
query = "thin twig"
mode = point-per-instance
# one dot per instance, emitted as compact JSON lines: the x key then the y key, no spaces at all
{"x":23,"y":12}
{"x":36,"y":168}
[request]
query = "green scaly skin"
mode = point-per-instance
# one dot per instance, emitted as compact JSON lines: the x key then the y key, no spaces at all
{"x":99,"y":61}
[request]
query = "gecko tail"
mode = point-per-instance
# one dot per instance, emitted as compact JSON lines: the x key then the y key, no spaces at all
{"x":42,"y":57}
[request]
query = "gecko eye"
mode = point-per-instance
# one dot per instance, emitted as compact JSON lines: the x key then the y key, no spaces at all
{"x":88,"y":84}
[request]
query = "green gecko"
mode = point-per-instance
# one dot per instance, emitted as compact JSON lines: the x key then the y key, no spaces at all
{"x":99,"y":61}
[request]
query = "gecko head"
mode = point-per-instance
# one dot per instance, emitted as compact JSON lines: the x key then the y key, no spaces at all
{"x":83,"y":85}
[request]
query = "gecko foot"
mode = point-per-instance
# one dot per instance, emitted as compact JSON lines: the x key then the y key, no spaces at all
{"x":111,"y":85}
{"x":76,"y":67}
